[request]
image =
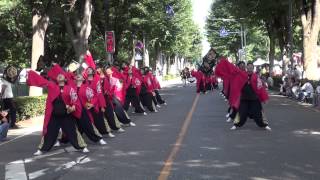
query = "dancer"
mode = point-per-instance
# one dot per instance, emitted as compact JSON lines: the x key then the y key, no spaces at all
{"x":117,"y":90}
{"x":246,"y":93}
{"x":62,"y":106}
{"x":133,"y":88}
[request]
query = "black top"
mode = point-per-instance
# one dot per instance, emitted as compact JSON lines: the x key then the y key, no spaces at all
{"x":247,"y":92}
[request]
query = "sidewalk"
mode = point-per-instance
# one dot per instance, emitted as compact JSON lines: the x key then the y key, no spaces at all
{"x":27,"y":127}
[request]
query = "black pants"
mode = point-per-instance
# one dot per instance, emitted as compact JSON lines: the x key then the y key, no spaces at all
{"x":135,"y":102}
{"x":87,"y":127}
{"x":208,"y":86}
{"x":154,"y":100}
{"x":233,"y":113}
{"x":120,"y":112}
{"x":9,"y":104}
{"x":68,"y":125}
{"x":252,"y":109}
{"x":99,"y":122}
{"x":146,"y":100}
{"x":109,"y":115}
{"x":202,"y":88}
{"x":159,"y":98}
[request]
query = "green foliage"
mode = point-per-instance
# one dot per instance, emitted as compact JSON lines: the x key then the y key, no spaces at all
{"x":16,"y":33}
{"x":131,"y":20}
{"x":28,"y":107}
{"x":266,"y":21}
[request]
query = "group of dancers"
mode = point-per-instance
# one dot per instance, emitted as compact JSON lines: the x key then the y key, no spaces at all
{"x":242,"y":89}
{"x":93,"y":102}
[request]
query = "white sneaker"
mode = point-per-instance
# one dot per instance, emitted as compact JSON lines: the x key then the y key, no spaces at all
{"x":85,"y":150}
{"x":102,"y":142}
{"x":227,"y":115}
{"x":145,"y":114}
{"x":38,"y":153}
{"x":156,"y":111}
{"x":132,"y":124}
{"x":158,"y":106}
{"x":133,"y":112}
{"x":234,"y":128}
{"x":111,"y":135}
{"x":121,"y":130}
{"x":165,"y":104}
{"x":229,"y":120}
{"x":267,"y":128}
{"x":57,"y":144}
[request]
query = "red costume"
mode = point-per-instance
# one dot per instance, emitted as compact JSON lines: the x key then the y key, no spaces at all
{"x":69,"y":96}
{"x":237,"y":79}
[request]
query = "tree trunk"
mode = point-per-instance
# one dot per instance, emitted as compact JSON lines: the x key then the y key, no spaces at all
{"x":39,"y":26}
{"x":133,"y":52}
{"x":311,"y":26}
{"x":168,"y":62}
{"x":272,"y":53}
{"x":80,"y":39}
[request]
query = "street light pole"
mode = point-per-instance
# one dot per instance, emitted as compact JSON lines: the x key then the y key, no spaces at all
{"x":242,"y":34}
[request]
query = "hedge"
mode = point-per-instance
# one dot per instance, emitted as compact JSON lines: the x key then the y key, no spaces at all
{"x":28,"y":107}
{"x":170,"y":77}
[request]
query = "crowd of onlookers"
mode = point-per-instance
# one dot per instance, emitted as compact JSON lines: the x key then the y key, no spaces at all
{"x":295,"y":87}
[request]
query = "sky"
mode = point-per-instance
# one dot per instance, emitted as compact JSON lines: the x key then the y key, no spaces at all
{"x":200,"y":12}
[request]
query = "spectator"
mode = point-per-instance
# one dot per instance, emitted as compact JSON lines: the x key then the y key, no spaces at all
{"x":306,"y":91}
{"x":316,"y":97}
{"x":297,"y":72}
{"x":6,"y":95}
{"x":4,"y":125}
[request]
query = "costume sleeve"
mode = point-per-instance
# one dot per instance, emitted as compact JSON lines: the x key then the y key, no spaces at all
{"x":89,"y":60}
{"x":34,"y":79}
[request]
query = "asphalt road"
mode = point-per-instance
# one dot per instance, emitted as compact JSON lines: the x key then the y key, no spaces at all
{"x":208,"y":149}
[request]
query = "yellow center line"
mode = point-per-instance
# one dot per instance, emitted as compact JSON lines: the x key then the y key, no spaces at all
{"x":165,"y":172}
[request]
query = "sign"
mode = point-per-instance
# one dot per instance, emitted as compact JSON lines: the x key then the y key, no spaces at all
{"x":138,"y":57}
{"x":223,"y":32}
{"x":169,"y":10}
{"x":110,"y":42}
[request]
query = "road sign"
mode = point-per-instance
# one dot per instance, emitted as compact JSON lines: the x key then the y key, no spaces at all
{"x":110,"y":42}
{"x":223,"y":32}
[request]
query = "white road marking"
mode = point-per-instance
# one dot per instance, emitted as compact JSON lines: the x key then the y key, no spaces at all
{"x":28,"y":160}
{"x":37,"y":174}
{"x":15,"y":170}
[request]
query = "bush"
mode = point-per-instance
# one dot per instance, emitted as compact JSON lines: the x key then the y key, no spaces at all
{"x":28,"y":107}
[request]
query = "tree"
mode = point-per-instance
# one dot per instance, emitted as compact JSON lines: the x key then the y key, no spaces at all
{"x":310,"y":17}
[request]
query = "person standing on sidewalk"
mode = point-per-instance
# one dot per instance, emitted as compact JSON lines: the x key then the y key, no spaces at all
{"x":6,"y":94}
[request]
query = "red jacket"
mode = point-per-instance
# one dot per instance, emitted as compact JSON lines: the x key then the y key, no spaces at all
{"x":147,"y":80}
{"x":155,"y":82}
{"x":116,"y":88}
{"x":238,"y":79}
{"x":200,"y":78}
{"x":135,"y":82}
{"x":69,"y":96}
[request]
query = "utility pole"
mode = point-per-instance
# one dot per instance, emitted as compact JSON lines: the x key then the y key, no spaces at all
{"x":107,"y":26}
